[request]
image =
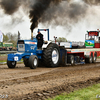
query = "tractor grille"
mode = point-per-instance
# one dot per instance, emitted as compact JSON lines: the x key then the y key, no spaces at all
{"x":21,"y":47}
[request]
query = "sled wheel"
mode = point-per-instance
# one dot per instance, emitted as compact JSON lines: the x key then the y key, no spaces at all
{"x":72,"y":61}
{"x":94,"y":57}
{"x":89,"y":59}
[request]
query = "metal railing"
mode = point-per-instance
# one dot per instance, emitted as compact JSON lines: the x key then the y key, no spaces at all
{"x":7,"y":52}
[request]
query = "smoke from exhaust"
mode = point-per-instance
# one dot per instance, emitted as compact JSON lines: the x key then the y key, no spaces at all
{"x":49,"y":12}
{"x":56,"y":12}
{"x":92,"y":2}
{"x":16,"y":9}
{"x":10,"y":6}
{"x":38,"y":9}
{"x":64,"y":14}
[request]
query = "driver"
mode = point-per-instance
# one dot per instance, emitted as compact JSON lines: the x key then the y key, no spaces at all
{"x":39,"y":38}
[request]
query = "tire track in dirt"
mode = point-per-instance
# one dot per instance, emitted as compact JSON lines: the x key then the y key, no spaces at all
{"x":16,"y":78}
{"x":21,"y":81}
{"x":41,"y":83}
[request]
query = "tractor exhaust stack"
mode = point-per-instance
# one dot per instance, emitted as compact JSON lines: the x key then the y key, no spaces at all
{"x":31,"y":35}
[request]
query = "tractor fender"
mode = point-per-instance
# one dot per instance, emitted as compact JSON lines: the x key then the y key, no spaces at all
{"x":46,"y":43}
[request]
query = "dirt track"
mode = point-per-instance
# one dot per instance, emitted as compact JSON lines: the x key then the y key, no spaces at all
{"x":23,"y":83}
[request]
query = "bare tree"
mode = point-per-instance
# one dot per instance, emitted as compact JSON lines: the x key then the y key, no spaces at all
{"x":12,"y":38}
{"x":61,"y":39}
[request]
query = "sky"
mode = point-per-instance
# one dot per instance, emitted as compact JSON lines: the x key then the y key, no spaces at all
{"x":75,"y":31}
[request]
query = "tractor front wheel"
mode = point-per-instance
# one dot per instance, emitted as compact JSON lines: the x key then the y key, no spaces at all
{"x":26,"y":62}
{"x":33,"y":62}
{"x":11,"y":64}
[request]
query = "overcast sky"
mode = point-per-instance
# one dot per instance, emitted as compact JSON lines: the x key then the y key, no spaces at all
{"x":77,"y":31}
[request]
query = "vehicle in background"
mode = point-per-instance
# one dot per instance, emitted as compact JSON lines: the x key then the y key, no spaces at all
{"x":6,"y":46}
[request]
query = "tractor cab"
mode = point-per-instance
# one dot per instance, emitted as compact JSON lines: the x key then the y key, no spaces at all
{"x":92,"y":39}
{"x":30,"y":46}
{"x":47,"y":41}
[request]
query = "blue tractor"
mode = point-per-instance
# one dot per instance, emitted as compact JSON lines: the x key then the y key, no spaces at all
{"x":50,"y":55}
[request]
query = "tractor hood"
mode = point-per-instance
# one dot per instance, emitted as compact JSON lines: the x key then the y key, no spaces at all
{"x":27,"y":45}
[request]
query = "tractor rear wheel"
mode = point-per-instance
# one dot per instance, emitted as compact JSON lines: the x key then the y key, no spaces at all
{"x":51,"y":55}
{"x":33,"y":62}
{"x":11,"y":64}
{"x":26,"y":62}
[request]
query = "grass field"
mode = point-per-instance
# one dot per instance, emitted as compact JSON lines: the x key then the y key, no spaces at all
{"x":3,"y":59}
{"x":89,"y":93}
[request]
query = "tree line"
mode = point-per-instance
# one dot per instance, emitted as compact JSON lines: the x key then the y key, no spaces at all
{"x":10,"y":38}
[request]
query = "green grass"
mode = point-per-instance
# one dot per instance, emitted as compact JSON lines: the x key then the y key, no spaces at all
{"x":6,"y":61}
{"x":3,"y":54}
{"x":3,"y":60}
{"x":88,"y":93}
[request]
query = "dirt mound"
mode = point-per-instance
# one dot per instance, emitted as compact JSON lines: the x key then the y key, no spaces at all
{"x":50,"y":93}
